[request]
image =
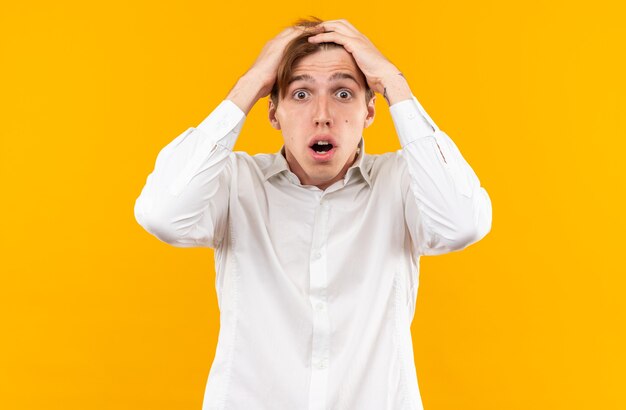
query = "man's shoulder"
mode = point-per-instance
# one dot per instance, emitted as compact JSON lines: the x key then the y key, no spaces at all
{"x":376,"y":161}
{"x":254,"y":164}
{"x":379,"y":158}
{"x":260,"y":160}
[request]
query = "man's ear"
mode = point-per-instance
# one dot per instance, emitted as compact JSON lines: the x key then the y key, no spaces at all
{"x":272,"y":114}
{"x":371,"y":111}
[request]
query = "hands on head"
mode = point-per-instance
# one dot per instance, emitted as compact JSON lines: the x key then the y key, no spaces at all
{"x":261,"y":78}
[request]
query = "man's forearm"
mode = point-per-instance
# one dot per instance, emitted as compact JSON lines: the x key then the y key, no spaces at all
{"x":246,"y":92}
{"x":395,"y":88}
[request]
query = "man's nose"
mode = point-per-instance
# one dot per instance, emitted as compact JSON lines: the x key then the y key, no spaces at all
{"x":322,"y":116}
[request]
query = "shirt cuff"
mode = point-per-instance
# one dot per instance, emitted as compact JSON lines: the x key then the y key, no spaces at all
{"x":411,"y":121}
{"x":226,"y":121}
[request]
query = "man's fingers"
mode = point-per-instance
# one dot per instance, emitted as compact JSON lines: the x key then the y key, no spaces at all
{"x":341,"y":21}
{"x":347,"y":23}
{"x":339,"y":26}
{"x":309,"y":28}
{"x":328,"y":37}
{"x":332,"y":36}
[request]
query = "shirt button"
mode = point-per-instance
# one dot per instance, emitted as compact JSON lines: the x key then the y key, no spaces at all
{"x":411,"y":115}
{"x":317,"y":255}
{"x":319,"y":306}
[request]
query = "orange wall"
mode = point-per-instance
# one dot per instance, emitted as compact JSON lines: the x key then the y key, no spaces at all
{"x":96,"y":313}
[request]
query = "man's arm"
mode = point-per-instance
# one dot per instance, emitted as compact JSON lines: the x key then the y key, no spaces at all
{"x":185,"y":199}
{"x":445,"y":207}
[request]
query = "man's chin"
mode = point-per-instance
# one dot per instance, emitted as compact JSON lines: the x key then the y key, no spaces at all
{"x":313,"y":172}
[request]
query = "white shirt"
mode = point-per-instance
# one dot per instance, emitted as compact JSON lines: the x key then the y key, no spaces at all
{"x":316,"y":289}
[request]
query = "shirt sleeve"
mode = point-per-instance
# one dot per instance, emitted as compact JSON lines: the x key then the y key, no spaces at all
{"x":445,"y":207}
{"x":185,"y":199}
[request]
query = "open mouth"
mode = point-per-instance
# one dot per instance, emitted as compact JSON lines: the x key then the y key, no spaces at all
{"x":322,"y":147}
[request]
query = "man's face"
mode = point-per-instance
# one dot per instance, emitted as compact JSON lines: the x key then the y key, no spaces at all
{"x":324,"y":102}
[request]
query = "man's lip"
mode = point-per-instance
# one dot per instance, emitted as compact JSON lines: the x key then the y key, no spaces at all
{"x":322,"y":137}
{"x":325,"y":157}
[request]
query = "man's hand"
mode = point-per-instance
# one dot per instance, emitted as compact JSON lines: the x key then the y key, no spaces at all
{"x":258,"y":81}
{"x":381,"y":75}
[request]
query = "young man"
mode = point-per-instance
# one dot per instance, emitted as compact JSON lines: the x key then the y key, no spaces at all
{"x":317,"y":246}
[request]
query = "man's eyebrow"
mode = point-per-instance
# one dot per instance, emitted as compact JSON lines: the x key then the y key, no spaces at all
{"x":341,"y":75}
{"x":302,"y":77}
{"x":334,"y":77}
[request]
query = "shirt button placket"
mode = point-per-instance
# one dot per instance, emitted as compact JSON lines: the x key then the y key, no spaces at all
{"x":318,"y":270}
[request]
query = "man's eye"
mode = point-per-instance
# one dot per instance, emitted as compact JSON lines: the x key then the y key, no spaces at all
{"x":299,"y":95}
{"x":344,"y":94}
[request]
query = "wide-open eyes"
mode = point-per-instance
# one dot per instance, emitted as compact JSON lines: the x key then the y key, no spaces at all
{"x":342,"y":94}
{"x":300,"y":94}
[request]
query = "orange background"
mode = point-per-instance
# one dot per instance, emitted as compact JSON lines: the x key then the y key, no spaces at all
{"x":98,"y":314}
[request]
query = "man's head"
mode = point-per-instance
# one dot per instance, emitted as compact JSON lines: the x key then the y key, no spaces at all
{"x":320,"y":94}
